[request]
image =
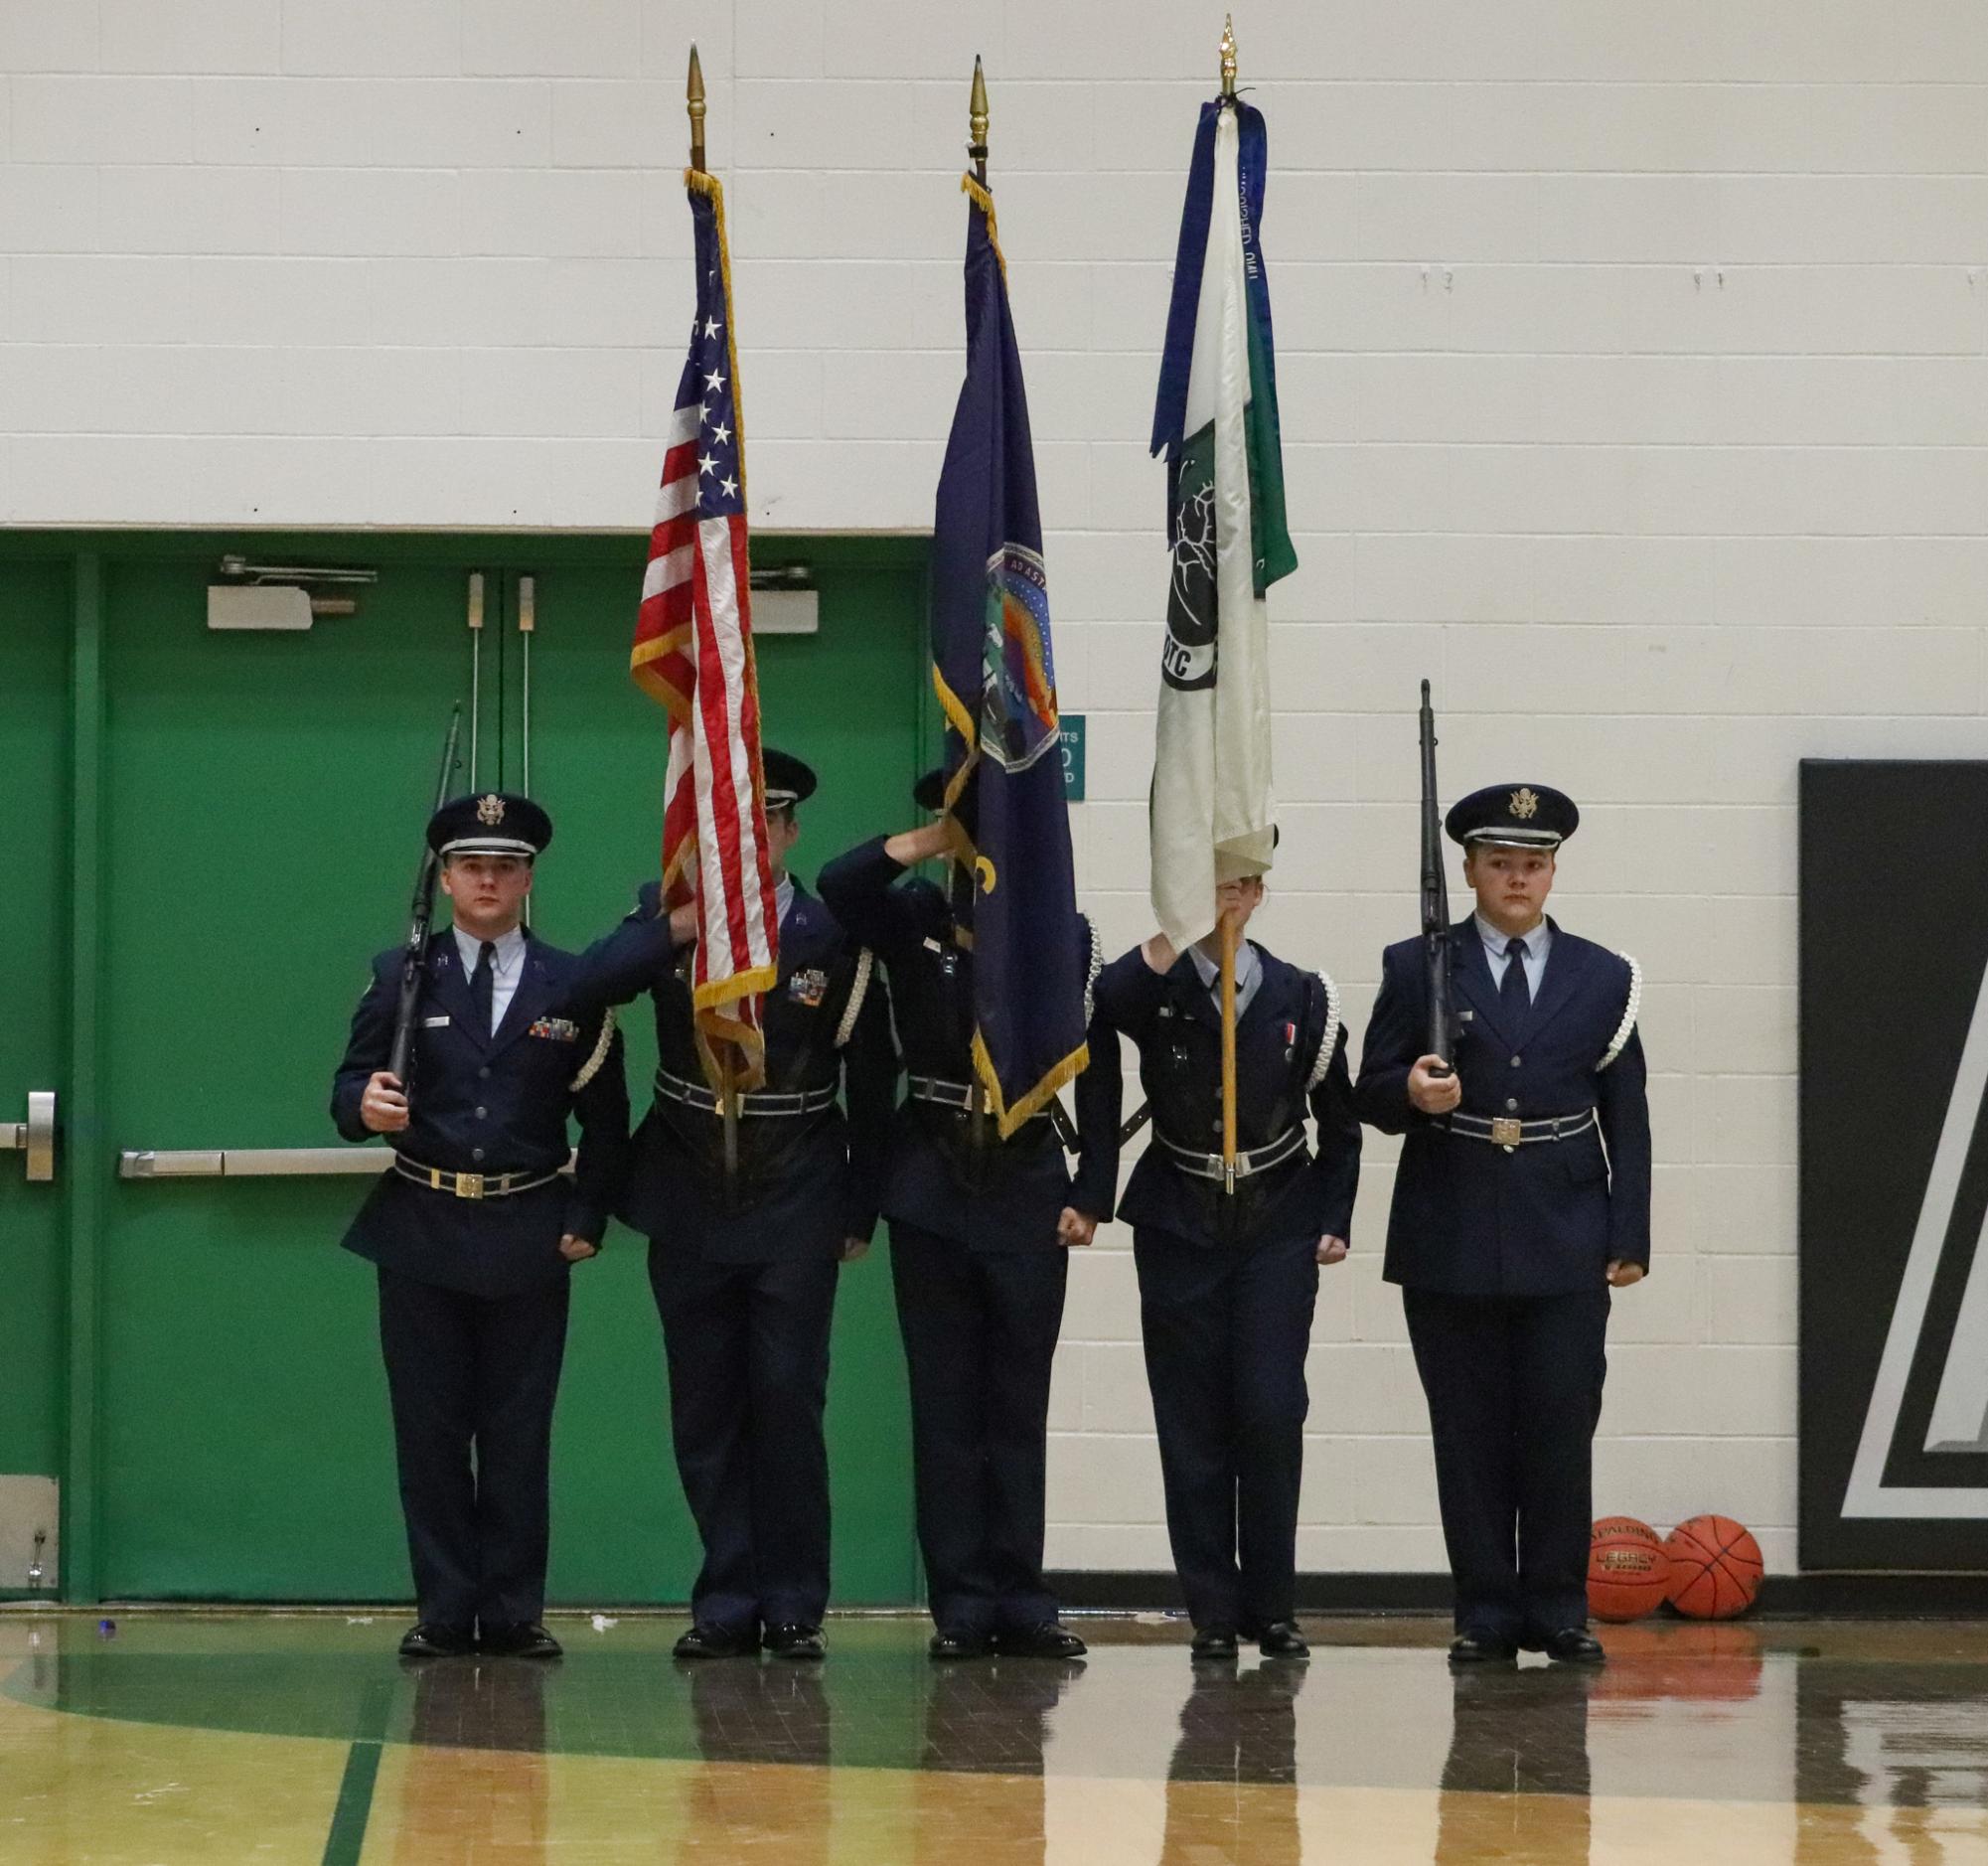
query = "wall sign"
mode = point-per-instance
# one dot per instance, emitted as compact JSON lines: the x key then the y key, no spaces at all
{"x":1070,"y":742}
{"x":1894,"y":1024}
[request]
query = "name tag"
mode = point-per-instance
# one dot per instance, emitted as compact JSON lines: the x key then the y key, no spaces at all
{"x":434,"y":1023}
{"x":558,"y":1030}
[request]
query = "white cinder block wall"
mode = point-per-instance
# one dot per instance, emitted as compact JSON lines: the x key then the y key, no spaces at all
{"x":1632,"y":362}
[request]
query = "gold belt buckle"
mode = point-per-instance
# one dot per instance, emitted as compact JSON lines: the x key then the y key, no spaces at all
{"x":469,"y":1185}
{"x":1505,"y":1131}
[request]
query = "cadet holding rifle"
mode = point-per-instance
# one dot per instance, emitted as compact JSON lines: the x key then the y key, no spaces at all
{"x":1522,"y":1197}
{"x":473,"y":1228}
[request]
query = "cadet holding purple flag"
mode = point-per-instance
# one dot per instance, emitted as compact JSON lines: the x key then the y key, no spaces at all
{"x":991,"y":983}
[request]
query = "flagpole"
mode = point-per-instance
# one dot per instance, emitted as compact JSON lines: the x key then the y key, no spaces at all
{"x":694,"y":97}
{"x":976,"y":148}
{"x":1228,"y":1053}
{"x":1228,"y":921}
{"x":976,"y":124}
{"x":723,"y":1053}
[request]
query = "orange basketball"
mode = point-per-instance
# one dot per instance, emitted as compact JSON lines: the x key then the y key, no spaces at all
{"x":1628,"y":1570}
{"x":1715,"y":1568}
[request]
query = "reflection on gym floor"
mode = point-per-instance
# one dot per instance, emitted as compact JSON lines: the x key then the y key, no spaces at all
{"x":164,"y":1737}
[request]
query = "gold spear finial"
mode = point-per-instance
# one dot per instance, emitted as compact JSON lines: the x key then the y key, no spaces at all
{"x":977,"y":122}
{"x":694,"y":94}
{"x":1228,"y":55}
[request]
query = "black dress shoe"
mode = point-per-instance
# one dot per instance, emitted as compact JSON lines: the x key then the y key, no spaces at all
{"x":1047,"y":1638}
{"x":1573,"y":1645}
{"x":1482,"y":1648}
{"x":432,"y":1638}
{"x":1213,"y":1645}
{"x":958,"y":1642}
{"x":796,"y":1642}
{"x":521,"y":1638}
{"x":706,"y":1641}
{"x":1281,"y":1640}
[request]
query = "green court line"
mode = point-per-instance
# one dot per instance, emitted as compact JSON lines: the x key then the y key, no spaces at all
{"x":353,"y":1809}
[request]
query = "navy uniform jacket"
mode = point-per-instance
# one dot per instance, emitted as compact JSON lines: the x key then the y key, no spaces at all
{"x":486,"y":1104}
{"x":1177,"y":1026}
{"x":1468,"y":1217}
{"x":805,"y":1182}
{"x":1011,"y":1195}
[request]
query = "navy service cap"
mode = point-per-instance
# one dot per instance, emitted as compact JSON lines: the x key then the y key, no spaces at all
{"x":788,"y":780}
{"x":1520,"y":815}
{"x":490,"y":822}
{"x":929,"y":793}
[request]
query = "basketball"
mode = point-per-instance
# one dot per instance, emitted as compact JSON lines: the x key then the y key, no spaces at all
{"x":1628,"y":1570}
{"x":1715,"y":1568}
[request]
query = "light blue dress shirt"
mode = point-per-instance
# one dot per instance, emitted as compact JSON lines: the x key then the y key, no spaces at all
{"x":1537,"y":943}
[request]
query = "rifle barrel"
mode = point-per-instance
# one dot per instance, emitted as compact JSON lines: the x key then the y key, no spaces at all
{"x":1442,"y":1035}
{"x":420,"y":914}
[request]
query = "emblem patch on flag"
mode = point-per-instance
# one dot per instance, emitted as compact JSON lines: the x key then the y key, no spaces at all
{"x":1019,"y":694}
{"x":1192,"y":607}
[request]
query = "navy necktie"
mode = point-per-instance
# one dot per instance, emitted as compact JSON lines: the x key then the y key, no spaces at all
{"x":1514,"y":994}
{"x":482,"y":984}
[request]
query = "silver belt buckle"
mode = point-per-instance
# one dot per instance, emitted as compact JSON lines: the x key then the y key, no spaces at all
{"x":1506,"y":1132}
{"x":469,"y":1185}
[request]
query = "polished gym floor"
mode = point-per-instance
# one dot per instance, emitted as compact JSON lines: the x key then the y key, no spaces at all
{"x":156,"y":1736}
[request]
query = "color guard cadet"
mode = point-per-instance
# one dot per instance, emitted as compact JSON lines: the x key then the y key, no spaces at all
{"x":979,"y":1234}
{"x":1227,"y":1281}
{"x":743,"y":1264}
{"x":473,"y":1228}
{"x":1522,"y":1195}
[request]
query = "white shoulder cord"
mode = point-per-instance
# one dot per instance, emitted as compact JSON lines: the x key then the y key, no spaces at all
{"x":591,"y":1067}
{"x":1091,"y":977}
{"x":865,"y":965}
{"x":1624,"y":1031}
{"x":1330,"y":1041}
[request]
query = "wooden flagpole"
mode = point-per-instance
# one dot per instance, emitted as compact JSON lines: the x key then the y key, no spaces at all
{"x":976,"y":148}
{"x":723,"y":1053}
{"x":1228,"y":54}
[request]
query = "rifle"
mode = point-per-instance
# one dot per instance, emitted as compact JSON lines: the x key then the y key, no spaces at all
{"x":399,"y":1059}
{"x":1441,"y":1039}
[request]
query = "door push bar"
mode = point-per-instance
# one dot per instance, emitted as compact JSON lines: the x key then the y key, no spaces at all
{"x":258,"y":1162}
{"x":35,"y":1137}
{"x":254,"y":1163}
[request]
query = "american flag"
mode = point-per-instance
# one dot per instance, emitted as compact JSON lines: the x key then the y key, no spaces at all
{"x":693,"y":655}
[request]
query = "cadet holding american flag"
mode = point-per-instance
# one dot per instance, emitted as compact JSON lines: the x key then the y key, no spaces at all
{"x":748,"y":1180}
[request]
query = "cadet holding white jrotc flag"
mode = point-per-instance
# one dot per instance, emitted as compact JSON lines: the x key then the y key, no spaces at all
{"x":1522,"y":1197}
{"x":1228,"y":1278}
{"x":474,"y":1229}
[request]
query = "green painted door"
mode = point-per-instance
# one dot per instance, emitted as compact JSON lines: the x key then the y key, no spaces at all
{"x":264,"y":795}
{"x":35,"y":618}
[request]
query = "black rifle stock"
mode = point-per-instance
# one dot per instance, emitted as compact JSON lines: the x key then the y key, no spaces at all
{"x":1440,"y":1038}
{"x":400,"y":1059}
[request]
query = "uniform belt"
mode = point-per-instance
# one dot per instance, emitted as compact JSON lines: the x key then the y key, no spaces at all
{"x":1509,"y":1132}
{"x":470,"y":1184}
{"x":1287,"y":1146}
{"x":944,"y":1094}
{"x":758,"y":1104}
